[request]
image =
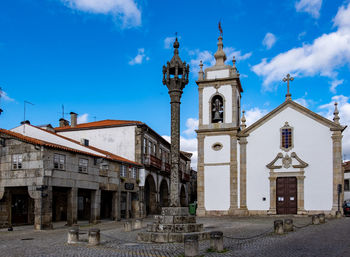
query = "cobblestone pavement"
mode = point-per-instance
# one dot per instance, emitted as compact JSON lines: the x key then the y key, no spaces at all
{"x":330,"y":239}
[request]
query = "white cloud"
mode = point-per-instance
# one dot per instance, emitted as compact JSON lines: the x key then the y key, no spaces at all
{"x":302,"y":101}
{"x":301,"y":35}
{"x":208,"y":58}
{"x":344,"y":114}
{"x":168,"y":41}
{"x":192,"y":125}
{"x":310,"y":6}
{"x":84,"y":118}
{"x":189,"y":143}
{"x":138,"y":59}
{"x":126,"y":11}
{"x":269,"y":40}
{"x":5,"y":96}
{"x":334,"y":84}
{"x":254,"y":114}
{"x":322,"y":57}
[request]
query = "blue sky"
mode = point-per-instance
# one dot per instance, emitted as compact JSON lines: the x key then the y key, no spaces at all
{"x":103,"y":58}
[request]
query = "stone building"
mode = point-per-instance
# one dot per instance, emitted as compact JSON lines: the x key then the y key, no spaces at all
{"x":137,"y":142}
{"x":46,"y":177}
{"x":288,"y":162}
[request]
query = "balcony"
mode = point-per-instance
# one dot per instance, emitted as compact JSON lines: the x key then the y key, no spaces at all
{"x":152,"y":161}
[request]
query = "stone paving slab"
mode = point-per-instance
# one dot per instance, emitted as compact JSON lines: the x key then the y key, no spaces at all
{"x":330,"y":239}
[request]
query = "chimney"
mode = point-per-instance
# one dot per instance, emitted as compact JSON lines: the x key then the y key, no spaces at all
{"x":64,"y":123}
{"x":73,"y":119}
{"x":25,"y":122}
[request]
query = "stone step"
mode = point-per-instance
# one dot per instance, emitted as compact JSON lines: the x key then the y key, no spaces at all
{"x":175,"y":211}
{"x":157,"y":237}
{"x":176,"y":219}
{"x":174,"y":228}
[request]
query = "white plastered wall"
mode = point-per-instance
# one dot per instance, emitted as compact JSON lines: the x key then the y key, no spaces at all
{"x":218,"y":74}
{"x":312,"y":143}
{"x":217,"y":177}
{"x":208,"y":93}
{"x":217,"y":188}
{"x":117,"y":140}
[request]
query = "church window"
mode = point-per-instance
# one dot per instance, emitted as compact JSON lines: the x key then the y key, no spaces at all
{"x":217,"y":109}
{"x":286,"y":137}
{"x":217,"y":147}
{"x":123,"y":171}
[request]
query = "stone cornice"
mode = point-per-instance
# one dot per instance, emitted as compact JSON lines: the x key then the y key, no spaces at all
{"x":220,"y":81}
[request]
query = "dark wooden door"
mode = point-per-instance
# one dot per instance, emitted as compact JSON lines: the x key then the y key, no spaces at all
{"x":19,"y":209}
{"x":286,"y":195}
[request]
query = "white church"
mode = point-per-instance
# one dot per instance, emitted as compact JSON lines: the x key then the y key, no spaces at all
{"x":287,"y":162}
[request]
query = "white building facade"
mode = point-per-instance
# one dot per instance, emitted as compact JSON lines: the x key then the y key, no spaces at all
{"x":288,"y":162}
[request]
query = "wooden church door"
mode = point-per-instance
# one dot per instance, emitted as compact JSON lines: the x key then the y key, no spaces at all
{"x":286,"y":195}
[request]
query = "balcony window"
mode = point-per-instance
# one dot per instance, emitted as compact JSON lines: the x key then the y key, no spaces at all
{"x":83,"y":164}
{"x":59,"y":161}
{"x":17,"y":161}
{"x":123,"y":171}
{"x":133,"y":172}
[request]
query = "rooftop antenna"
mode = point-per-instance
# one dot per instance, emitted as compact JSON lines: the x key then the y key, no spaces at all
{"x":24,"y":115}
{"x":63,"y":113}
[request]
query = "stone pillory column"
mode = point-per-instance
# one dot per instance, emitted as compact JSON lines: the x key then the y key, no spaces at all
{"x":175,"y":77}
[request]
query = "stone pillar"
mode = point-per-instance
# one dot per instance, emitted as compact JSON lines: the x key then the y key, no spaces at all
{"x":175,"y":96}
{"x":200,"y":177}
{"x":300,"y":185}
{"x":94,"y":236}
{"x":272,"y":179}
{"x":72,"y":206}
{"x":116,"y":206}
{"x":278,"y":227}
{"x":191,"y":245}
{"x":243,"y":173}
{"x":42,"y":196}
{"x":216,"y":241}
{"x":233,"y":174}
{"x":95,"y":206}
{"x":338,"y":175}
{"x":73,"y":235}
{"x":128,"y":205}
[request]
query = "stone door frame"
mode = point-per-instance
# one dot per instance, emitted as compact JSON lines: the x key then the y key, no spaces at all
{"x":300,"y":188}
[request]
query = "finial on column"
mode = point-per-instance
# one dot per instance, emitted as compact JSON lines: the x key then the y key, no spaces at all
{"x":336,"y":113}
{"x":243,"y":120}
{"x":234,"y":65}
{"x":201,"y":73}
{"x":220,"y":55}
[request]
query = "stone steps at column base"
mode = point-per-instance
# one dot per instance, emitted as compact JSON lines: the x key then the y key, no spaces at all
{"x":174,"y":228}
{"x":159,"y":237}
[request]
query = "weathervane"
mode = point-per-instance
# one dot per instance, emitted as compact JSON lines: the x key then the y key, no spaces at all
{"x":220,"y":29}
{"x":287,"y":79}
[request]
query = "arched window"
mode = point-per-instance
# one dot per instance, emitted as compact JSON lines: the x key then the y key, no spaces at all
{"x":217,"y":109}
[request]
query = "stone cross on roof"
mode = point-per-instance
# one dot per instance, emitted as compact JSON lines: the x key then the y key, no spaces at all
{"x":287,"y":79}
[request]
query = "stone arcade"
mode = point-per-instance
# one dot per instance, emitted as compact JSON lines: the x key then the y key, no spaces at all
{"x":288,"y":162}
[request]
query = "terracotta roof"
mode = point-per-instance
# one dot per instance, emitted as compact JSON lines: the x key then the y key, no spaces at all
{"x":98,"y":124}
{"x":346,"y":166}
{"x":36,"y":141}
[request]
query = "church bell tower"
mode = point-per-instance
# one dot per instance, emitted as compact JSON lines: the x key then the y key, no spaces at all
{"x":220,"y":91}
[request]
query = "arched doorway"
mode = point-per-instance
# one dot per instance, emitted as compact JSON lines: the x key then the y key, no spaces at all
{"x":150,"y":195}
{"x":164,"y":194}
{"x":183,"y":201}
